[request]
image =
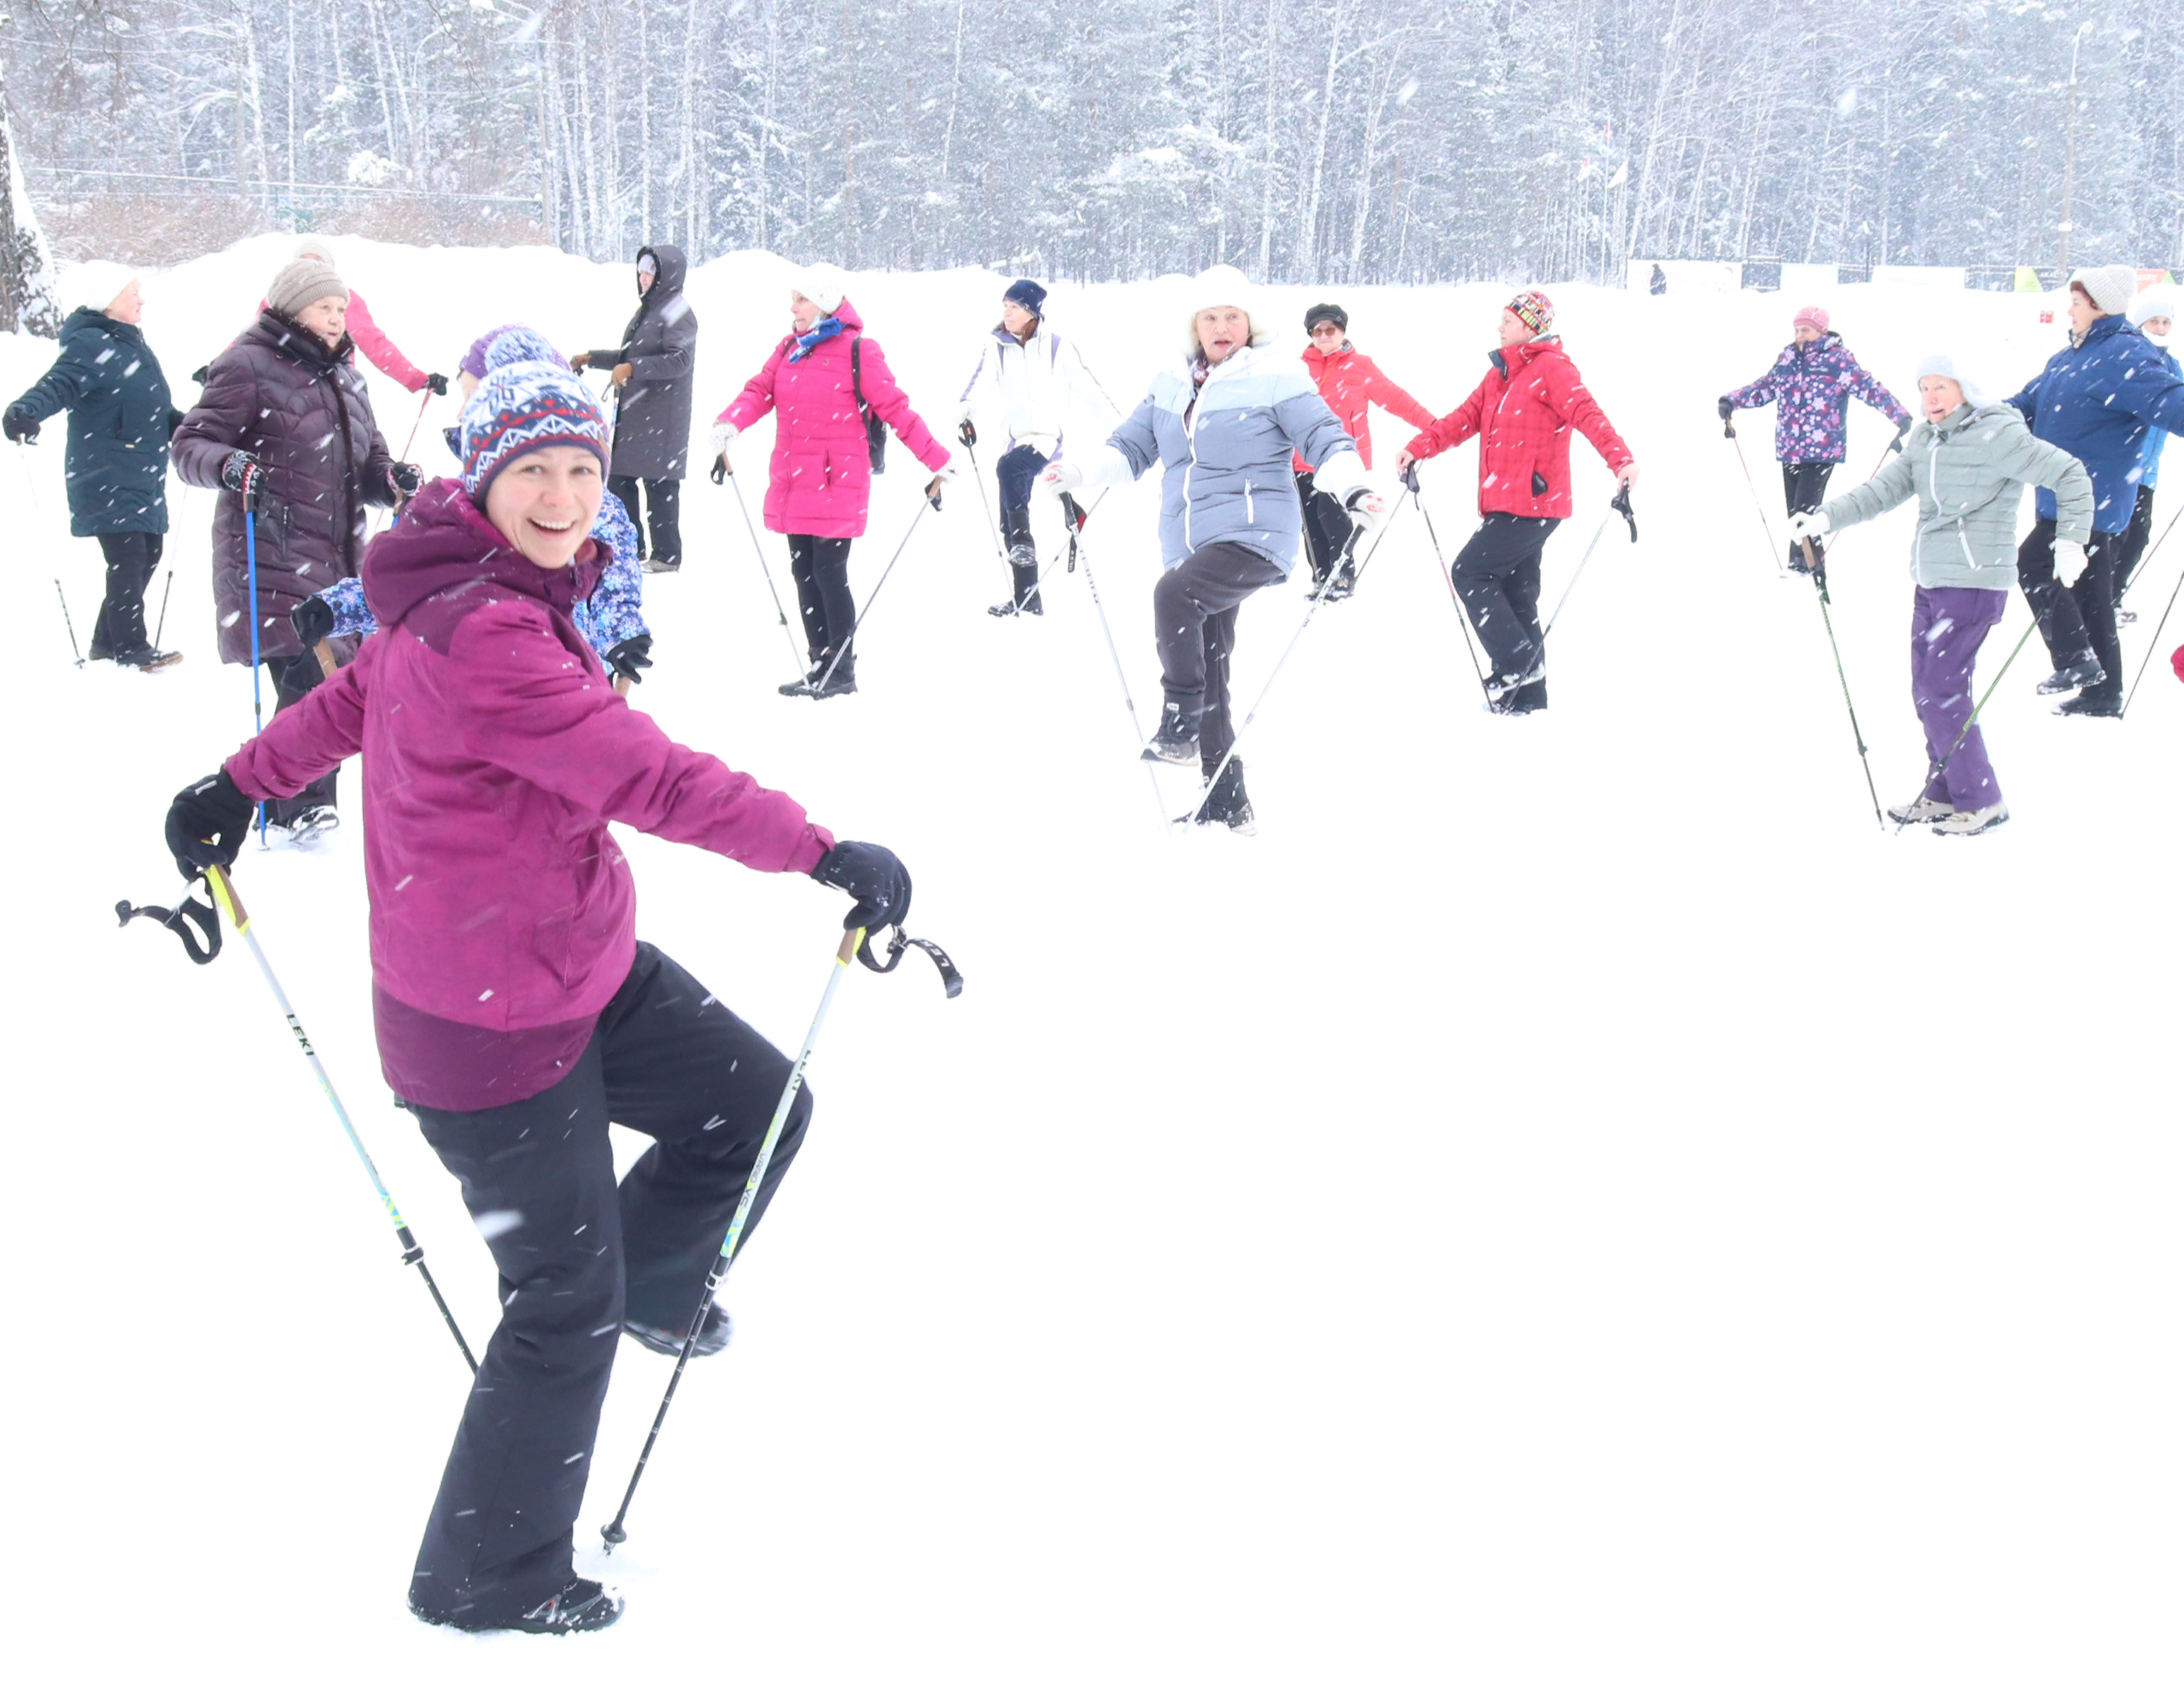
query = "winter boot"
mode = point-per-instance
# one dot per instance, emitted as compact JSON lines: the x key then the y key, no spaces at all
{"x":1921,"y":810}
{"x":1175,"y":742}
{"x":2080,"y":706}
{"x":1341,"y":586}
{"x":309,"y":824}
{"x":578,"y":1608}
{"x":146,"y":659}
{"x":2081,"y":673}
{"x":1504,"y":684}
{"x":712,"y":1337}
{"x":1973,"y":822}
{"x":1023,"y":566}
{"x":843,"y":682}
{"x":1225,"y":802}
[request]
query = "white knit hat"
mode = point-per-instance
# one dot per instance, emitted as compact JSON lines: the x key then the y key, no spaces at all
{"x":1947,"y":366}
{"x":824,"y":284}
{"x":1222,"y":285}
{"x":2111,"y":288}
{"x":2155,"y":301}
{"x":93,"y":285}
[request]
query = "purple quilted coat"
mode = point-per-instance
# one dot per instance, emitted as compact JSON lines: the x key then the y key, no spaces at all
{"x":1811,"y":386}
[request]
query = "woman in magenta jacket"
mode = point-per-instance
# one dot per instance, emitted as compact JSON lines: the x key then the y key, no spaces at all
{"x":517,"y":1012}
{"x":820,"y":483}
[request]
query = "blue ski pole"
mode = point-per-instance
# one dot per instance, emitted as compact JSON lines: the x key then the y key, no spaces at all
{"x":257,"y":703}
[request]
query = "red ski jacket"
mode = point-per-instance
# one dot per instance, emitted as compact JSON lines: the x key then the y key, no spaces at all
{"x":1350,"y":382}
{"x":1522,"y":412}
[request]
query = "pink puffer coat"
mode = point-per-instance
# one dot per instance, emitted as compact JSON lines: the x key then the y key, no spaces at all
{"x":821,"y":480}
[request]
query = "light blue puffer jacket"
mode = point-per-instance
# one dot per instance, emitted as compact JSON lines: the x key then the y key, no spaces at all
{"x":1226,"y":444}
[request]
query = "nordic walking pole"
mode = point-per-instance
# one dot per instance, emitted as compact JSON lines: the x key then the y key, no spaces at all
{"x":1621,"y":505}
{"x":68,"y":621}
{"x":1934,"y":769}
{"x":414,"y":424}
{"x":1357,"y":577}
{"x":969,"y":434}
{"x":1267,"y":688}
{"x":413,"y":1253}
{"x":1068,"y":551}
{"x":2153,"y":645}
{"x":1448,"y":579}
{"x":1759,"y":507}
{"x":257,"y":705}
{"x":759,"y":549}
{"x":1077,"y":516}
{"x":166,"y":592}
{"x":1858,"y":735}
{"x":931,"y":500}
{"x":613,"y":1532}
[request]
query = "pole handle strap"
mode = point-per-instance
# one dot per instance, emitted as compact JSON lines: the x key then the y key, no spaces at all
{"x":196,"y":925}
{"x":1621,"y":505}
{"x":950,"y":977}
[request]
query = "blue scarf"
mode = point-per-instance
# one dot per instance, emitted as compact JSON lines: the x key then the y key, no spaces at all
{"x":808,"y":342}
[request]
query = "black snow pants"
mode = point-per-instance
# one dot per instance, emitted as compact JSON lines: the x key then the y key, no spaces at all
{"x":294,"y":676}
{"x":1015,"y":473}
{"x":576,"y":1251}
{"x":1804,"y":488}
{"x":662,"y":514}
{"x":2082,"y":619}
{"x":821,"y":566}
{"x":131,"y":558}
{"x":1497,"y":577}
{"x":2131,"y":548}
{"x":1194,"y":623}
{"x":1327,"y":527}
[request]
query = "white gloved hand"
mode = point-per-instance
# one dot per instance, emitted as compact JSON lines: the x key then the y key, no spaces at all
{"x":1062,"y":476}
{"x":2069,"y":561}
{"x":1814,"y":524}
{"x":948,"y":470}
{"x":724,"y":434}
{"x":1368,"y":510}
{"x":963,"y":412}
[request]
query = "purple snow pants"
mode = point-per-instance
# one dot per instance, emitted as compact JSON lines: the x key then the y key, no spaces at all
{"x":1947,"y":628}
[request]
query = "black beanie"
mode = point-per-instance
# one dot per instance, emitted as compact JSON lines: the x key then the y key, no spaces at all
{"x":1028,"y":295}
{"x":1319,"y":313}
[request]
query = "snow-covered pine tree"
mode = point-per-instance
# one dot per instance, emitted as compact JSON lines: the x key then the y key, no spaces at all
{"x":28,"y":300}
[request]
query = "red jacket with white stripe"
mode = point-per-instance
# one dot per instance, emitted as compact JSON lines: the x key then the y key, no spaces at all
{"x":1523,"y":413}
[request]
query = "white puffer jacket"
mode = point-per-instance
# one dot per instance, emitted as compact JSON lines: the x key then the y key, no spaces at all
{"x":1034,"y":382}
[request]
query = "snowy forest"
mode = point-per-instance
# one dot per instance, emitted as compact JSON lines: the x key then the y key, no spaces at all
{"x":1304,"y":140}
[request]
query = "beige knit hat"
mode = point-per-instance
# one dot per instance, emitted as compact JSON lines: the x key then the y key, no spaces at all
{"x":2111,"y":288}
{"x":301,"y":284}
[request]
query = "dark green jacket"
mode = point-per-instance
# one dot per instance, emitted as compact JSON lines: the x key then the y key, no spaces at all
{"x":119,"y":419}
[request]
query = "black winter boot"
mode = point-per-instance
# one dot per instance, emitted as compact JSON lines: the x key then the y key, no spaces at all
{"x":712,"y":1337}
{"x":1226,"y":803}
{"x":1023,"y":566}
{"x":578,"y":1608}
{"x":1175,"y":742}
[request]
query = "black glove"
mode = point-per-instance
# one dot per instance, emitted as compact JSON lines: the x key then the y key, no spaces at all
{"x":19,"y":425}
{"x":207,"y":824}
{"x":199,"y":376}
{"x":1896,"y":444}
{"x":720,"y":469}
{"x":968,"y":433}
{"x":314,"y":620}
{"x":1726,"y":409}
{"x":404,"y":477}
{"x":871,"y":875}
{"x":437,"y":384}
{"x":241,"y":474}
{"x":631,"y":657}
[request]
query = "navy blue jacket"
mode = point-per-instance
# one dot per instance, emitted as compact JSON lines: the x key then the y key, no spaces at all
{"x":2097,"y":399}
{"x":119,"y":419}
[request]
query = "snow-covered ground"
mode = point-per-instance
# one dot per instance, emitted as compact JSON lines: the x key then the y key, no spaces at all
{"x":1569,"y":1199}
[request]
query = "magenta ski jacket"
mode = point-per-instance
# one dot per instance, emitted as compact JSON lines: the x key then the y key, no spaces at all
{"x":1811,"y":386}
{"x":819,"y":482}
{"x":495,"y":750}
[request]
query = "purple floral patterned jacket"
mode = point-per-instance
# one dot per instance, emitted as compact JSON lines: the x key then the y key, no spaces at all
{"x":1811,"y":386}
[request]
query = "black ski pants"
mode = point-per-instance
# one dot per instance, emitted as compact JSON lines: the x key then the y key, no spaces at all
{"x":131,"y":558}
{"x":663,"y":516}
{"x":1804,"y":488}
{"x":2082,"y":619}
{"x":294,"y":676}
{"x":821,"y":566}
{"x":1497,"y":577}
{"x":1327,"y":527}
{"x":1016,"y":472}
{"x":1194,"y":624}
{"x":2131,"y":548}
{"x":576,"y":1251}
